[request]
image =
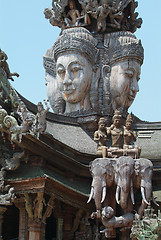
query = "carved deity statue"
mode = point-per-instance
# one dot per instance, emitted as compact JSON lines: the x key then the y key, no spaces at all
{"x":129,"y":134}
{"x":75,"y":81}
{"x":100,"y":136}
{"x":102,"y":11}
{"x":26,"y":117}
{"x":123,"y":57}
{"x":130,"y":138}
{"x":105,"y":15}
{"x":5,"y":67}
{"x":39,"y":203}
{"x":73,"y":14}
{"x":115,"y":131}
{"x":39,"y":125}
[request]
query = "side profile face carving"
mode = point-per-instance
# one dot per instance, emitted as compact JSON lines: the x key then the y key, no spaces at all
{"x":124,"y":83}
{"x":124,"y":57}
{"x":74,"y":73}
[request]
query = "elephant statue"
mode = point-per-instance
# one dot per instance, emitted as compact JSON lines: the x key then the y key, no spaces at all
{"x":120,"y":178}
{"x":103,"y":177}
{"x":124,"y":171}
{"x":143,"y":180}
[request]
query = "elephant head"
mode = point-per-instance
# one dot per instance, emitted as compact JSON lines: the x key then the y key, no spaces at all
{"x":102,"y":172}
{"x":143,"y":180}
{"x":124,"y":171}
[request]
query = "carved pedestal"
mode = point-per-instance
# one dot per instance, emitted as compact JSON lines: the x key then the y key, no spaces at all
{"x":2,"y":210}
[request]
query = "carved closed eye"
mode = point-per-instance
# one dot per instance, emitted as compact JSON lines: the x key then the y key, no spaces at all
{"x":76,"y":69}
{"x":129,"y":73}
{"x":60,"y":71}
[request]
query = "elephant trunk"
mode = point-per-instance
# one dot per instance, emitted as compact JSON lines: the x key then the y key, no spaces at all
{"x":98,"y":192}
{"x":123,"y":191}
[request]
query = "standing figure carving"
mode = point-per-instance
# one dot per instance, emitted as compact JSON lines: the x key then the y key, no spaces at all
{"x":39,"y":203}
{"x":39,"y":125}
{"x":26,"y":117}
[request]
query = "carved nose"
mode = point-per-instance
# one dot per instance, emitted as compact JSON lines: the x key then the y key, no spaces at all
{"x":67,"y":80}
{"x":134,"y":85}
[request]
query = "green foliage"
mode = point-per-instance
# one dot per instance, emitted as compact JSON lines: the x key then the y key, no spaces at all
{"x":148,"y":228}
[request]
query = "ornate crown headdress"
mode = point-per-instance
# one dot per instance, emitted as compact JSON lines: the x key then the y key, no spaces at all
{"x":40,"y":104}
{"x":129,"y":118}
{"x":117,"y":115}
{"x":122,"y":45}
{"x":101,"y":120}
{"x":73,"y":39}
{"x":77,"y":39}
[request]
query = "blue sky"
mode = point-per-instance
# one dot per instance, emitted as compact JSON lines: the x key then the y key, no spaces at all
{"x":26,"y":35}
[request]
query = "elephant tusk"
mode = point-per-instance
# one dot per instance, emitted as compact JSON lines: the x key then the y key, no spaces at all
{"x":132,"y":193}
{"x":103,"y":194}
{"x":117,"y":194}
{"x":91,"y":194}
{"x":154,"y":201}
{"x":143,"y":196}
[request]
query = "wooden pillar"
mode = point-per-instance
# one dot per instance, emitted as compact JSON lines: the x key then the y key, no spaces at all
{"x":59,"y":228}
{"x":2,"y":210}
{"x":23,"y":233}
{"x":35,"y":230}
{"x":68,"y":221}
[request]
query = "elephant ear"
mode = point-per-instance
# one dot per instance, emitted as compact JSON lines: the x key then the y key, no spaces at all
{"x":93,"y":164}
{"x":98,"y":163}
{"x":141,"y":166}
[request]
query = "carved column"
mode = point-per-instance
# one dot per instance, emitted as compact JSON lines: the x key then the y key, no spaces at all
{"x":38,"y":211}
{"x":35,"y":230}
{"x":68,"y":220}
{"x":2,"y":210}
{"x":20,"y":204}
{"x":59,"y":228}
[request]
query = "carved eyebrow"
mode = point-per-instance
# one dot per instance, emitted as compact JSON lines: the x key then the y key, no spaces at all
{"x":60,"y":66}
{"x":76,"y":62}
{"x":130,"y":69}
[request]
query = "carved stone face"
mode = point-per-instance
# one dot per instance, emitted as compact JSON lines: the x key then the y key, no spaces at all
{"x":117,"y":123}
{"x":74,"y":73}
{"x":23,"y":109}
{"x":40,"y":108}
{"x":124,"y":83}
{"x":128,"y":125}
{"x":101,"y":126}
